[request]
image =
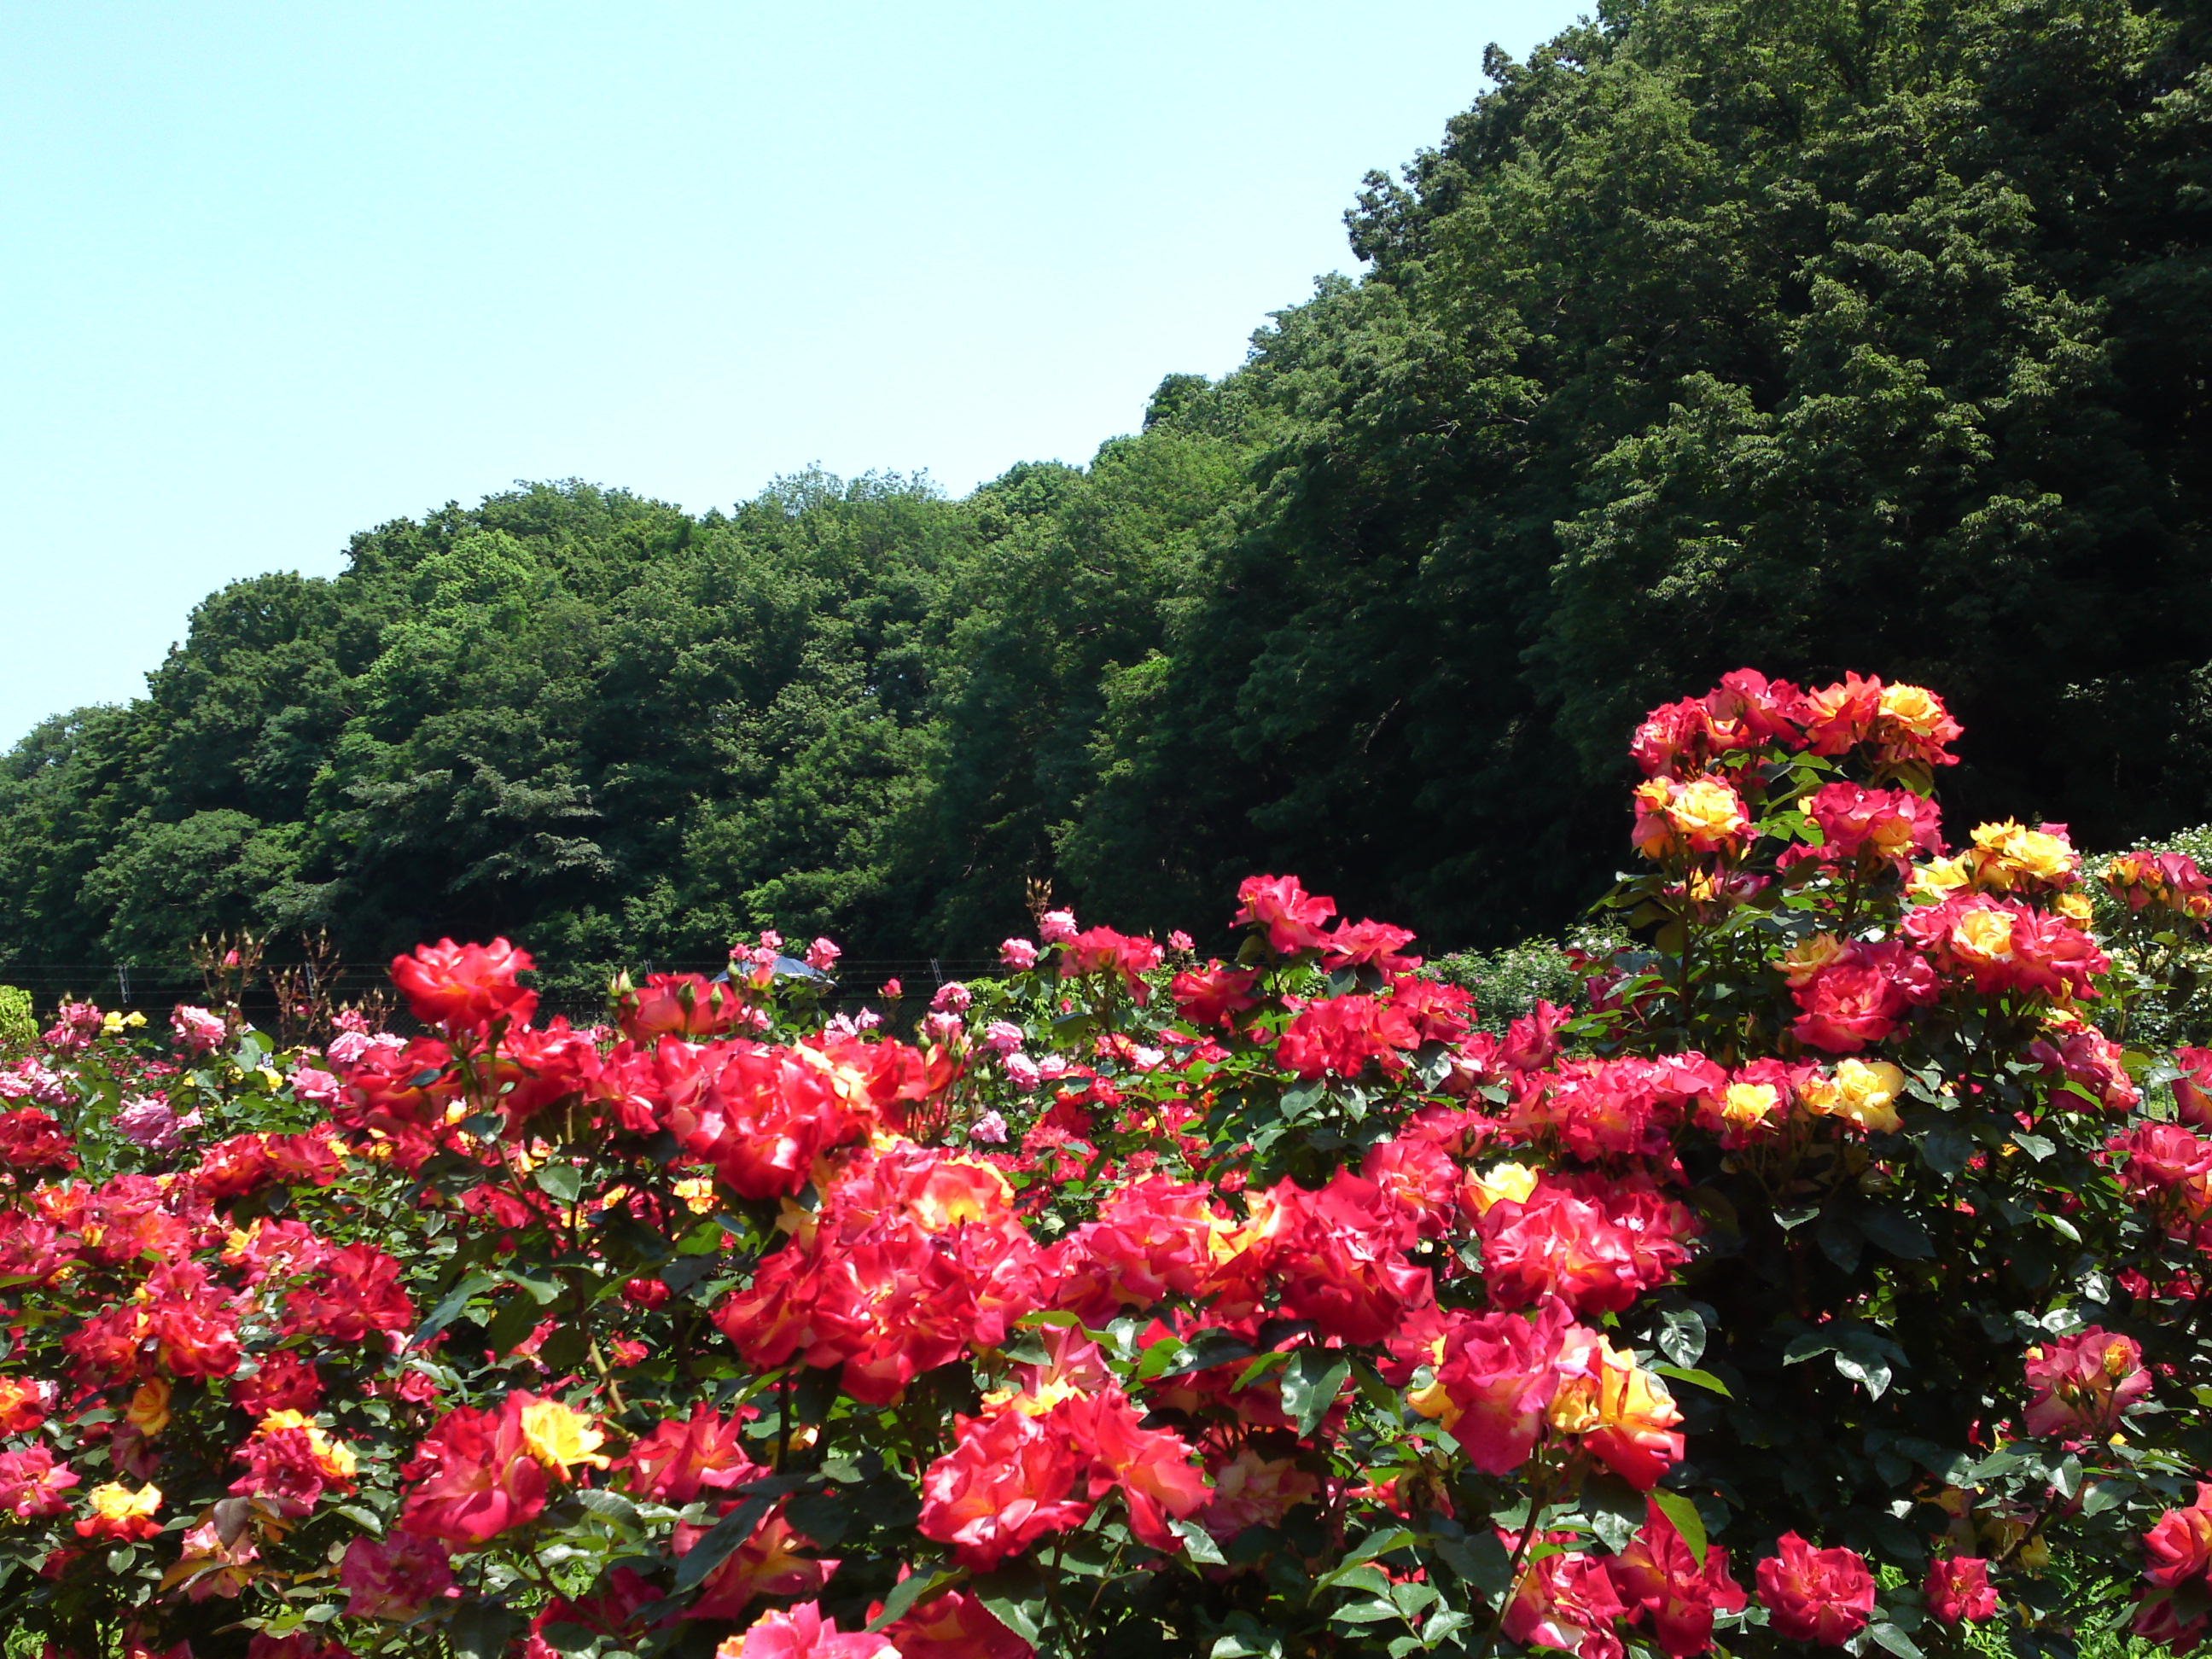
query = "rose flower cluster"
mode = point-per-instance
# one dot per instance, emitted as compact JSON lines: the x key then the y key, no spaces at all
{"x":1825,"y":1275}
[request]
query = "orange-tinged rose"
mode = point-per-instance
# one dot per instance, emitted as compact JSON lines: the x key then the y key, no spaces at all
{"x":149,"y":1411}
{"x":1803,"y":961}
{"x":1510,"y":1181}
{"x":119,"y":1512}
{"x":1746,"y":1105}
{"x":1984,"y":936}
{"x":1938,"y":879}
{"x":1862,"y":1090}
{"x":1915,"y":709}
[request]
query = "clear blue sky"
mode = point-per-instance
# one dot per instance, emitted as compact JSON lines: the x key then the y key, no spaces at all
{"x":276,"y":272}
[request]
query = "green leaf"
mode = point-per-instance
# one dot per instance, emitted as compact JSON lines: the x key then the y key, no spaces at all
{"x":2034,"y":1145}
{"x":449,"y":1308}
{"x":560,"y":1182}
{"x":1198,"y":1543}
{"x":714,"y":1548}
{"x":1259,"y":1367}
{"x":542,"y":1286}
{"x":480,"y":1630}
{"x":1900,"y":1234}
{"x":1702,"y":1379}
{"x":1017,"y":1597}
{"x":1895,"y":1640}
{"x":915,"y":1587}
{"x":1311,"y":1382}
{"x":611,"y":1507}
{"x":1682,"y":1515}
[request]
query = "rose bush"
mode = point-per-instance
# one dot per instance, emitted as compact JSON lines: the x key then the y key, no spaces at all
{"x":1828,"y":1275}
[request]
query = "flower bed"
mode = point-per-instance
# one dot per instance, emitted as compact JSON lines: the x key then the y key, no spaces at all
{"x":1825,"y":1276}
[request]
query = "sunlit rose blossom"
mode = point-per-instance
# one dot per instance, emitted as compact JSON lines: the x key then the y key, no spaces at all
{"x":1008,"y":1479}
{"x":1495,"y":1375}
{"x":1702,"y":815}
{"x":1023,"y":1072}
{"x":472,"y":1477}
{"x":32,"y":1486}
{"x":24,"y":1403}
{"x":562,"y":1439}
{"x":681,"y":1005}
{"x":954,"y":1625}
{"x":1018,"y":956}
{"x":1343,"y":1033}
{"x":317,"y":1088}
{"x":990,"y":1129}
{"x":1958,"y":1589}
{"x":465,"y":988}
{"x":2002,"y":945}
{"x":1214,"y":995}
{"x":1861,"y":1093}
{"x":821,"y":955}
{"x":2082,"y":1383}
{"x":1816,"y":1595}
{"x":1102,"y":951}
{"x":2170,"y":881}
{"x":2009,"y":857}
{"x":1291,"y":915}
{"x":1567,"y":1600}
{"x":356,"y":1293}
{"x":1860,"y":994}
{"x":1659,"y":1579}
{"x":29,"y":1139}
{"x":1886,"y":826}
{"x":121,"y":1514}
{"x":1623,"y":1413}
{"x":801,"y":1632}
{"x":682,"y":1457}
{"x":198,"y":1031}
{"x":952,"y":998}
{"x":394,"y":1577}
{"x":1002,"y":1036}
{"x":148,"y":1121}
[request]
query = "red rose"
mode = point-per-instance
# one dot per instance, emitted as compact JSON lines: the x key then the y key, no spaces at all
{"x":465,"y":988}
{"x":1816,"y":1595}
{"x":1959,"y":1588}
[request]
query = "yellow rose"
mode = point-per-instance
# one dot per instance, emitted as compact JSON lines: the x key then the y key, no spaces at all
{"x":1808,"y":956}
{"x":1505,"y":1181}
{"x":2011,"y":853}
{"x":1747,"y":1105}
{"x":149,"y":1411}
{"x":2074,"y":907}
{"x":1864,"y":1092}
{"x":561,"y":1439}
{"x":1938,"y":879}
{"x":1707,"y":810}
{"x":1914,"y":707}
{"x":115,"y":1502}
{"x":1984,"y":936}
{"x":698,"y":1193}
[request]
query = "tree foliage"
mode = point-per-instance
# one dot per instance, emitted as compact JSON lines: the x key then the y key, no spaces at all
{"x":1791,"y":331}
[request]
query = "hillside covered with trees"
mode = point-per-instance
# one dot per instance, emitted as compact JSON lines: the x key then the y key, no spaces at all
{"x":1803,"y":335}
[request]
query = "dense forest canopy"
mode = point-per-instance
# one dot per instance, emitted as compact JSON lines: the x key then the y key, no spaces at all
{"x":1811,"y":334}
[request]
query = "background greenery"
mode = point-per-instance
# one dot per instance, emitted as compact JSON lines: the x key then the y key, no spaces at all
{"x":1816,"y":334}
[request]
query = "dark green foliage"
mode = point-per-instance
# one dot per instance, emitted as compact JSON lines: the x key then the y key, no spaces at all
{"x":1796,"y":333}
